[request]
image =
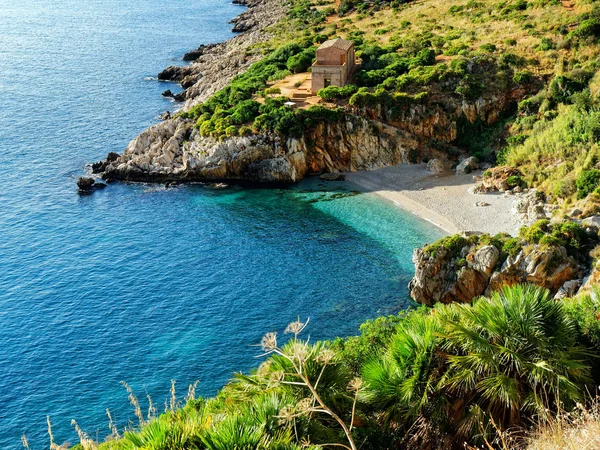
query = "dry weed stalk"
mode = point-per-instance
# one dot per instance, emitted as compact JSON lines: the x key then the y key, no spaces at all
{"x":151,"y":408}
{"x":53,"y":445}
{"x":575,"y":430}
{"x":114,"y":433}
{"x":173,"y":399}
{"x":191,"y":395}
{"x":84,"y":440}
{"x":135,"y":403}
{"x":298,"y":355}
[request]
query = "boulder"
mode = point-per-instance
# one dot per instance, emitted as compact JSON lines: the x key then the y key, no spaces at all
{"x":87,"y":185}
{"x":468,"y":165}
{"x":593,"y":279}
{"x":538,"y":212}
{"x":592,"y":221}
{"x":549,"y":267}
{"x":171,"y":73}
{"x":435,"y":166}
{"x":485,"y":259}
{"x":568,"y":289}
{"x":495,"y":179}
{"x":575,"y":212}
{"x":438,"y":279}
{"x":195,"y":54}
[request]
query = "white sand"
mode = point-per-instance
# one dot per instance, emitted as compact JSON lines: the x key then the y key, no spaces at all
{"x":441,"y":199}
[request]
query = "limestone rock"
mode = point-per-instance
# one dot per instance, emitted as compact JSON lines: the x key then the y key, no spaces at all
{"x":444,"y":277}
{"x":538,"y":212}
{"x":485,"y":259}
{"x":575,"y":212}
{"x":547,"y":267}
{"x":435,"y":166}
{"x":593,"y":221}
{"x":87,"y":185}
{"x":593,"y":279}
{"x":468,"y":165}
{"x":568,"y":289}
{"x":174,"y":150}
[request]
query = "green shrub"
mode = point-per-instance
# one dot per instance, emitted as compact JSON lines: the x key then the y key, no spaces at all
{"x":562,"y":88}
{"x":231,"y":131}
{"x":585,"y":311}
{"x":515,"y":180}
{"x":301,"y":61}
{"x":454,"y":244}
{"x":425,"y":57}
{"x":546,"y":44}
{"x":490,"y":48}
{"x":470,"y":88}
{"x":374,"y":335}
{"x":512,"y":246}
{"x":487,"y":358}
{"x":535,"y":232}
{"x":522,"y":77}
{"x":272,"y":91}
{"x":587,"y":28}
{"x":587,"y":182}
{"x":245,"y":131}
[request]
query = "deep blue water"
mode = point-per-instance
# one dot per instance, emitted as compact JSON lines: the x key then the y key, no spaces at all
{"x":137,"y":282}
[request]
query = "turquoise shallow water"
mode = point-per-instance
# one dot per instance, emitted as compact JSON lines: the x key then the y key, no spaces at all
{"x":142,"y":283}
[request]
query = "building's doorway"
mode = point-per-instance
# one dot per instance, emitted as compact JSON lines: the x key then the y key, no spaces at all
{"x":327,"y":82}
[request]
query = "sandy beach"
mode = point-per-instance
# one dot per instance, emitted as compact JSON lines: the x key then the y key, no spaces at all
{"x":442,"y":199}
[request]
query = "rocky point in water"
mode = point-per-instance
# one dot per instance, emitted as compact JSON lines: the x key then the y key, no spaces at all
{"x":363,"y":139}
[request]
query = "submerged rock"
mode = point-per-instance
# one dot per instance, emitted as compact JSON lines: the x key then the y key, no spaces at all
{"x":87,"y":185}
{"x":333,"y":176}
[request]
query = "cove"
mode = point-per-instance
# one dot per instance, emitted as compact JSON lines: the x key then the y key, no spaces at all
{"x":138,"y":282}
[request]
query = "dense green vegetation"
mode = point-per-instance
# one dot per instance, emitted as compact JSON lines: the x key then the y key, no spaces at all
{"x":429,"y":378}
{"x":233,"y":110}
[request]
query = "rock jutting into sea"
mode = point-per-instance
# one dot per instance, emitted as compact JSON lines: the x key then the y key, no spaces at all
{"x":364,"y":138}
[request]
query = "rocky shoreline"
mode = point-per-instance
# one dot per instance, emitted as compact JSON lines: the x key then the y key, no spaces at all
{"x":363,"y":139}
{"x":212,"y":67}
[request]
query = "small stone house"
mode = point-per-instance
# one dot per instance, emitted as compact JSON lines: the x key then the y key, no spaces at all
{"x":334,"y":64}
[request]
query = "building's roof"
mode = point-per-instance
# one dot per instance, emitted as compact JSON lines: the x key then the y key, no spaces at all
{"x":341,"y":44}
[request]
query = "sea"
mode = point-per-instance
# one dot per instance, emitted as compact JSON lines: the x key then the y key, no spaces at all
{"x":138,"y":282}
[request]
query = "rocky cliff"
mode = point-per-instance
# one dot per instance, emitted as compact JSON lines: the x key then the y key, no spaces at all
{"x":460,"y":268}
{"x":174,"y":150}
